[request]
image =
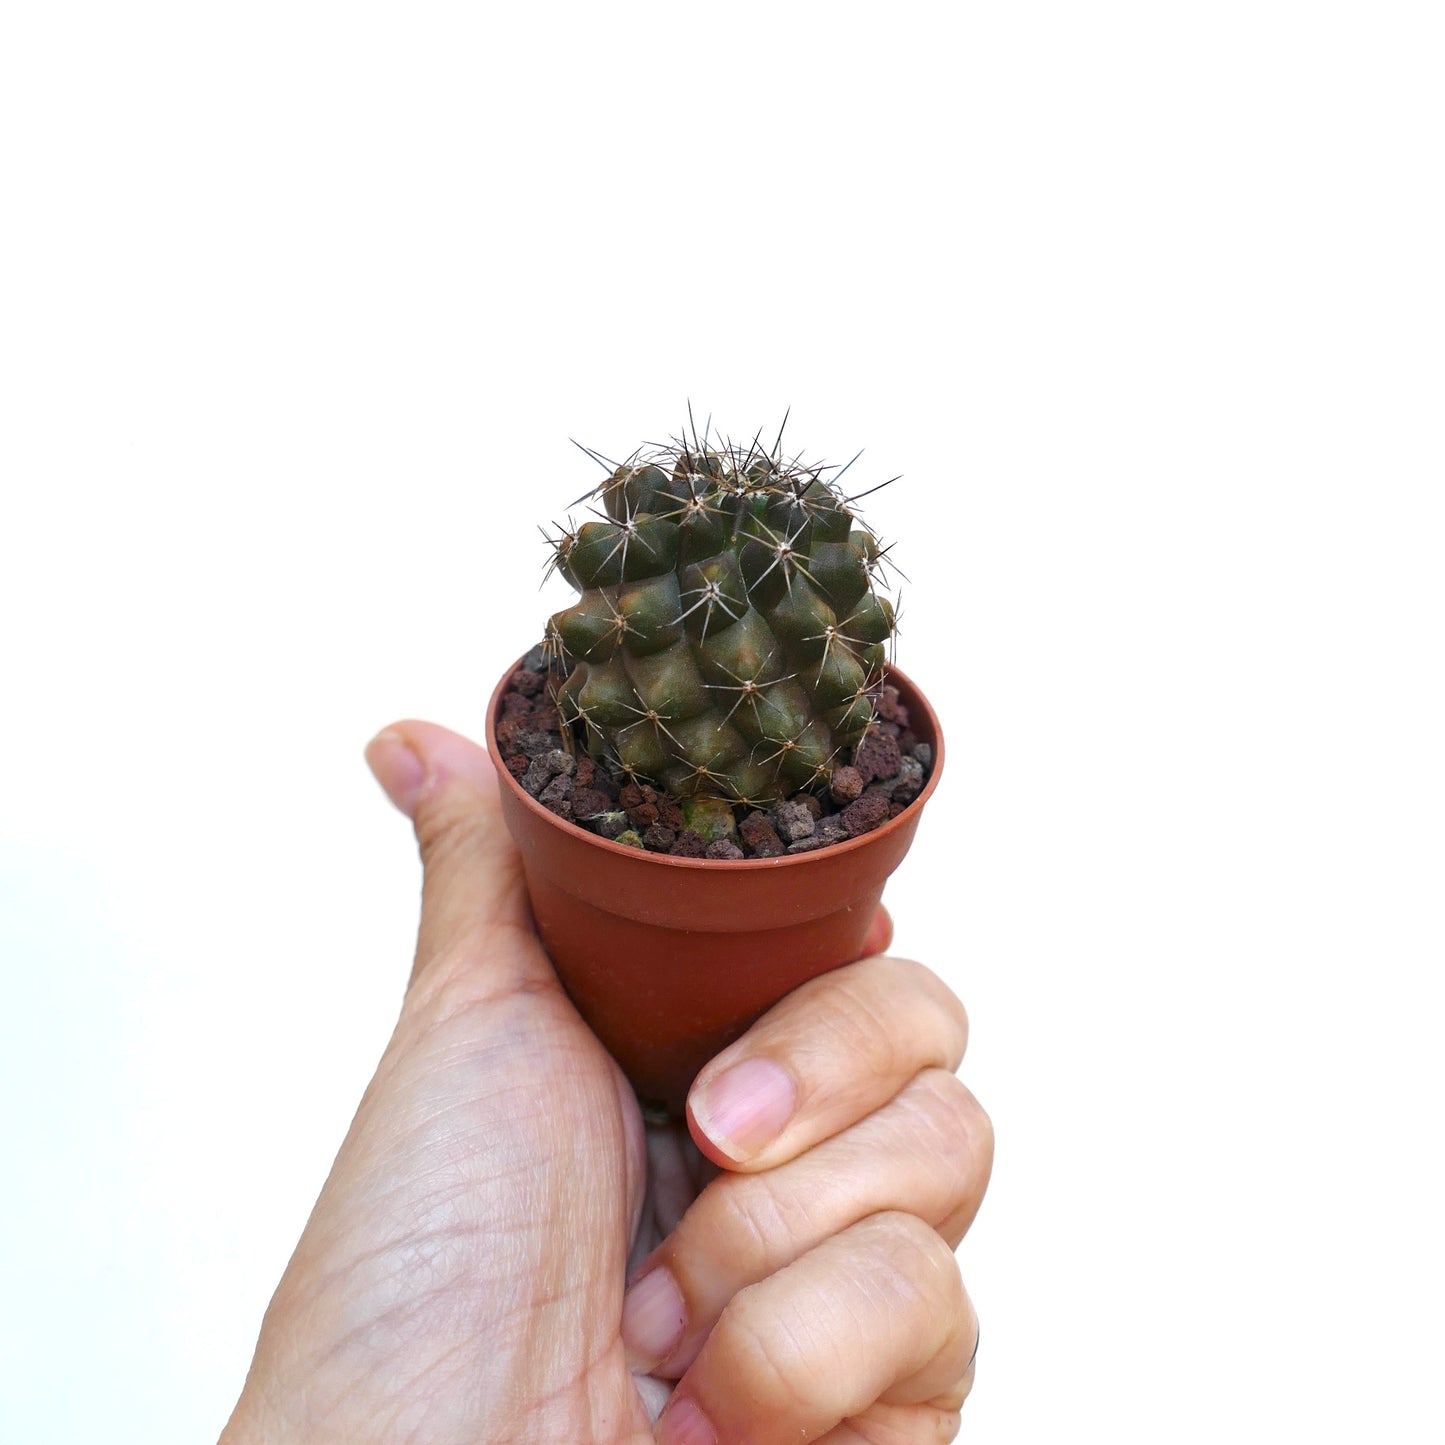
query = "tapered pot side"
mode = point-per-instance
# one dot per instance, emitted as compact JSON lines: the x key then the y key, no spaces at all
{"x":670,"y":959}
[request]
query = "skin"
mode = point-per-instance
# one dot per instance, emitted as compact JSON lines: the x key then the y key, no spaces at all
{"x":465,"y":1273}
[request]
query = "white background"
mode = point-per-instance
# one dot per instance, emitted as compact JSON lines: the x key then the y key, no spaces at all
{"x":299,"y":306}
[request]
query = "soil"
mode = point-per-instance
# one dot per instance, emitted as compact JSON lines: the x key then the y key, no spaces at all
{"x":878,"y":779}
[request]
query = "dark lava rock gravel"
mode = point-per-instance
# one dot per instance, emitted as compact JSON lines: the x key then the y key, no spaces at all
{"x":886,"y":772}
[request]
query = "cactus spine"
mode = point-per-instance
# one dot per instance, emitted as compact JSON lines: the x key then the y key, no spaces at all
{"x":730,"y":634}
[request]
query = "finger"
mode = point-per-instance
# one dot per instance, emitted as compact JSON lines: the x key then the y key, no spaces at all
{"x":832,"y":1051}
{"x":928,"y":1152}
{"x":875,"y":1314}
{"x":900,"y":1424}
{"x":880,"y":934}
{"x":472,"y":886}
{"x":888,"y":1424}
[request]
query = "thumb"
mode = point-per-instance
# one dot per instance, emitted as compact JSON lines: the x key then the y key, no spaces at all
{"x":474,"y":899}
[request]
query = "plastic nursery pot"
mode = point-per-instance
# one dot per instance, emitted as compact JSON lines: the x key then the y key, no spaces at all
{"x":670,"y":959}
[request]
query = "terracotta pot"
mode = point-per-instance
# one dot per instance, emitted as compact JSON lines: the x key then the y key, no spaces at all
{"x":670,"y":959}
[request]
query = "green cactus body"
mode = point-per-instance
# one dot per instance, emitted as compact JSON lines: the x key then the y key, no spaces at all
{"x":729,"y":635}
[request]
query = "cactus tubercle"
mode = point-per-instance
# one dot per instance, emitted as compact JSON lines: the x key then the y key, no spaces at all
{"x":730,"y":632}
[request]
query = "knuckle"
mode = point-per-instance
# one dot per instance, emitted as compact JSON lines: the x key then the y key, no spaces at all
{"x":849,"y":1023}
{"x":755,"y":1223}
{"x":884,"y":1017}
{"x":938,"y":1021}
{"x":952,"y":1017}
{"x":444,"y":830}
{"x":954,"y":1141}
{"x":957,"y":1122}
{"x":765,"y":1353}
{"x":917,"y":1253}
{"x":951,"y":1401}
{"x":982,"y":1131}
{"x":948,"y":1421}
{"x":950,"y":1133}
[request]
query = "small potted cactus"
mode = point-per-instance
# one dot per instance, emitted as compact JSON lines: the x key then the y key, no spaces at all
{"x":710,"y":766}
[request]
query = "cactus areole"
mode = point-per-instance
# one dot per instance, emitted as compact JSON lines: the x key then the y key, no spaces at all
{"x":729,"y":637}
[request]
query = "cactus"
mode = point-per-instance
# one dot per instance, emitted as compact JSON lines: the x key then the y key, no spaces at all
{"x":729,"y":637}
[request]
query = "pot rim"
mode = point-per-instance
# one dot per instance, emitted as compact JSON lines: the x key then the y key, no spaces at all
{"x":735,"y":865}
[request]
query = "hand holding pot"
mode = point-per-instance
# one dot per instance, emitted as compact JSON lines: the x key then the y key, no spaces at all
{"x":463,"y":1275}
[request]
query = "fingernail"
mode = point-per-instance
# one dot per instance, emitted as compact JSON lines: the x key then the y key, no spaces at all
{"x":401,"y":773}
{"x":684,"y":1424}
{"x":653,"y":1317}
{"x":746,"y":1108}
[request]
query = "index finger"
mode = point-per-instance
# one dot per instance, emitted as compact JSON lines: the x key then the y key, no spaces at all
{"x":830,"y":1053}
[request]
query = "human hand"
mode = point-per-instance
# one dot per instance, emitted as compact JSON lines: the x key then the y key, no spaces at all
{"x":461,"y":1277}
